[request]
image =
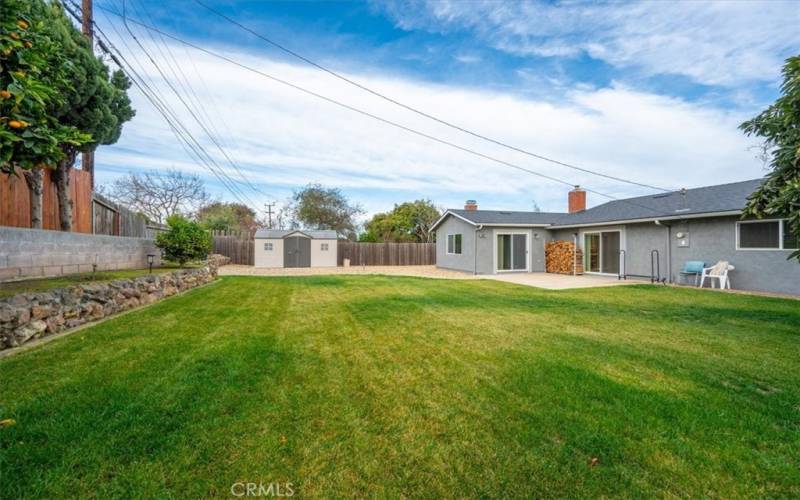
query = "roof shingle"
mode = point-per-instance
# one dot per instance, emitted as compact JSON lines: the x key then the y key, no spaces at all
{"x":710,"y":199}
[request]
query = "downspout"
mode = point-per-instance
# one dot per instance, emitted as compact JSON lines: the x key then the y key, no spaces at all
{"x":669,"y":248}
{"x":479,"y":227}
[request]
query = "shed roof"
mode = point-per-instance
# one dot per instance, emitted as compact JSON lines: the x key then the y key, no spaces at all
{"x":283,"y":233}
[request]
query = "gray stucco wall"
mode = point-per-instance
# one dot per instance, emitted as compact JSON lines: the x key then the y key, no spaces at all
{"x":484,"y":246}
{"x":465,"y":261}
{"x":33,"y":252}
{"x":712,"y":240}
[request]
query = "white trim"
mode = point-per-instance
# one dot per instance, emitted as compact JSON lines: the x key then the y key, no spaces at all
{"x":447,"y":244}
{"x":767,"y":249}
{"x":702,"y":215}
{"x":532,"y":226}
{"x":634,"y":221}
{"x":497,"y":233}
{"x":448,"y":212}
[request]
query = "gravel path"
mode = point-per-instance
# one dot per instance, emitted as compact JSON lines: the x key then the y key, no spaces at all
{"x":418,"y":271}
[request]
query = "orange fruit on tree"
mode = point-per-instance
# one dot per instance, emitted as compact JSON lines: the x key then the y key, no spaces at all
{"x":23,"y":24}
{"x":17,"y":124}
{"x":15,"y":36}
{"x":5,"y":94}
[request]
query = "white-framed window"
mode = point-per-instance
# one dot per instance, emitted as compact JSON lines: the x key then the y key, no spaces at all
{"x":268,"y":247}
{"x":454,"y":244}
{"x":323,"y":247}
{"x":765,"y":235}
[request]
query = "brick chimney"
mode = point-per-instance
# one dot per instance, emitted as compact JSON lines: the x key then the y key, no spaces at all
{"x":576,"y":200}
{"x":471,"y":205}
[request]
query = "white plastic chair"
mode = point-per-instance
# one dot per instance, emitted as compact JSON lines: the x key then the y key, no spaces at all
{"x":719,"y":272}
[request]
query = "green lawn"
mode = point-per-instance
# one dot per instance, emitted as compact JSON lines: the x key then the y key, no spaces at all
{"x":386,"y":386}
{"x":35,"y":285}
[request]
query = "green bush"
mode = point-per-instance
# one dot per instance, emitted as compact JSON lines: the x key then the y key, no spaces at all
{"x":184,"y":241}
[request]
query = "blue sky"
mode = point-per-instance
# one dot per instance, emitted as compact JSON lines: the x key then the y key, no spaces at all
{"x":647,"y":91}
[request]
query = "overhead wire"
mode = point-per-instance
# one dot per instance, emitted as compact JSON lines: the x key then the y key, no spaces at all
{"x":418,"y":111}
{"x":374,"y":116}
{"x":190,"y":144}
{"x":180,"y":97}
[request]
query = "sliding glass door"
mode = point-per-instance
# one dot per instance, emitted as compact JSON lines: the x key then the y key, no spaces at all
{"x":512,"y":252}
{"x":601,"y":252}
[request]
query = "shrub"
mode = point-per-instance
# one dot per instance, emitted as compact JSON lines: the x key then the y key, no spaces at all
{"x":184,"y":241}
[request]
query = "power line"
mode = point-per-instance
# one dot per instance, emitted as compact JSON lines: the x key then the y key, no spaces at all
{"x":162,"y":108}
{"x":418,"y":111}
{"x":183,"y":101}
{"x":180,"y":76}
{"x":373,"y":116}
{"x":195,"y":149}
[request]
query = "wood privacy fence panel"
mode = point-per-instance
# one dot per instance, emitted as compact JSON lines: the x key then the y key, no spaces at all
{"x":387,"y":254}
{"x":239,"y":246}
{"x":105,"y":217}
{"x":15,"y":201}
{"x":116,"y":220}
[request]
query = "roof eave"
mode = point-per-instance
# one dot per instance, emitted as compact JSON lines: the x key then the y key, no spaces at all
{"x":700,"y":215}
{"x":444,"y":216}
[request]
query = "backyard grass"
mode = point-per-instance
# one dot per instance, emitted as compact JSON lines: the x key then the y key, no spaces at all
{"x":35,"y":285}
{"x":389,"y":387}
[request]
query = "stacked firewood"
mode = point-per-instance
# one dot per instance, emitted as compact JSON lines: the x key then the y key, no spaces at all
{"x":561,"y":258}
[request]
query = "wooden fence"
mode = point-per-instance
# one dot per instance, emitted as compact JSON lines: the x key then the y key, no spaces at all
{"x":239,"y":246}
{"x":15,"y":201}
{"x":387,"y":254}
{"x":117,"y":220}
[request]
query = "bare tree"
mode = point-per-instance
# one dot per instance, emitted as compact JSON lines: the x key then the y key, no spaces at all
{"x":159,"y":196}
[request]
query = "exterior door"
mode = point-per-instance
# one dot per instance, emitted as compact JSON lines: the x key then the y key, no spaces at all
{"x":512,"y":252}
{"x":297,"y":252}
{"x":601,"y":252}
{"x":591,"y":252}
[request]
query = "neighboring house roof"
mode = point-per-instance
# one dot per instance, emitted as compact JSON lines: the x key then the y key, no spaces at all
{"x":721,"y":199}
{"x":274,"y":234}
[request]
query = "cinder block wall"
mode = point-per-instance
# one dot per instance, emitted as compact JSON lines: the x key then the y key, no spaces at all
{"x":34,"y":252}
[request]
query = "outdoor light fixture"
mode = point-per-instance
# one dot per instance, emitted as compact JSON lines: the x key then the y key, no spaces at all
{"x":150,"y":258}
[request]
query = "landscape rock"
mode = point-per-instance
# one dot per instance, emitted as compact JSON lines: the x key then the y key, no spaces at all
{"x":25,"y":317}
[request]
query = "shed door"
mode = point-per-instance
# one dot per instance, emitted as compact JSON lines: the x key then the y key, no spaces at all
{"x":297,"y":252}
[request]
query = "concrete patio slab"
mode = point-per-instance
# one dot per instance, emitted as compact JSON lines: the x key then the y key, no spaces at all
{"x":540,"y":280}
{"x":560,"y":281}
{"x":416,"y":271}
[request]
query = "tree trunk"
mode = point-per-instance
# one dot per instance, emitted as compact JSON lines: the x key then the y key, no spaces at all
{"x":62,"y":186}
{"x":34,"y":178}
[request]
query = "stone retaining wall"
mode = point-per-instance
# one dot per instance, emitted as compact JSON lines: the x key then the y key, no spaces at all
{"x":29,"y":316}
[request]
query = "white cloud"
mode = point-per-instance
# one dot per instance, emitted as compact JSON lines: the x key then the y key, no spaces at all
{"x":717,"y":43}
{"x":285,"y":139}
{"x":468,"y":58}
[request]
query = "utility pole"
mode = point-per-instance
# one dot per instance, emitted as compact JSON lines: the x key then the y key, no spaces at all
{"x":87,"y":159}
{"x":268,"y":207}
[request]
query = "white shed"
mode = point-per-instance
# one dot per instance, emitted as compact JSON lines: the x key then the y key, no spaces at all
{"x":295,"y":248}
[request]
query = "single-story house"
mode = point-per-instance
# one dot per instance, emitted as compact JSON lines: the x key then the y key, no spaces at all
{"x":641,"y":236}
{"x":295,"y":248}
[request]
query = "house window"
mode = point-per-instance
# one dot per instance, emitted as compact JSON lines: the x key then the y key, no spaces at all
{"x":268,"y":247}
{"x":766,"y":235}
{"x":323,"y":247}
{"x":454,"y":244}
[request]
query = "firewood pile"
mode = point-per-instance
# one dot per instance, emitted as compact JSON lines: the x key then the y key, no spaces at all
{"x":560,"y":258}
